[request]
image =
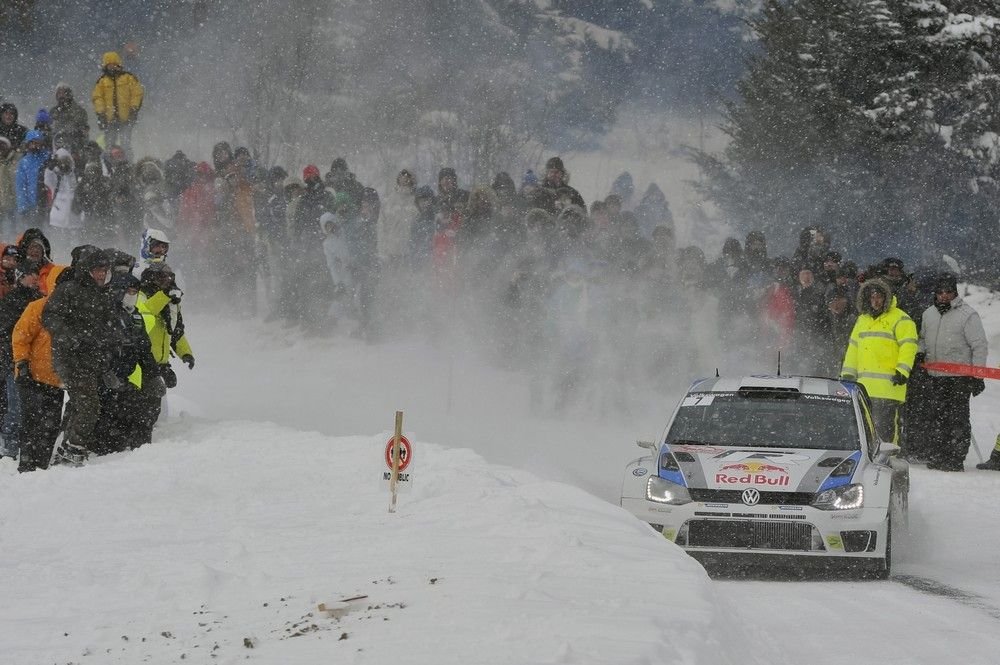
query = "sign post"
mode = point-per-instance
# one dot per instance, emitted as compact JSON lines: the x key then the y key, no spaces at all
{"x":395,"y":455}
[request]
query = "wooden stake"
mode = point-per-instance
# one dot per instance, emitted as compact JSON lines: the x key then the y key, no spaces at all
{"x":394,"y":478}
{"x":323,"y":607}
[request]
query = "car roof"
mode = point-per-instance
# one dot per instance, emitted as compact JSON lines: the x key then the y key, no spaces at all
{"x":809,"y":385}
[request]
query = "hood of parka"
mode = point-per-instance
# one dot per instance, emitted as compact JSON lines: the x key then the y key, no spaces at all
{"x":863,"y":301}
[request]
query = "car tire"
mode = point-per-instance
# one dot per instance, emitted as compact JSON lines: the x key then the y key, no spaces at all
{"x":882,"y":569}
{"x":902,"y":518}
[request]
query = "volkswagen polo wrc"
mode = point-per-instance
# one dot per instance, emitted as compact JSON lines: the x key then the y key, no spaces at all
{"x":773,"y":467}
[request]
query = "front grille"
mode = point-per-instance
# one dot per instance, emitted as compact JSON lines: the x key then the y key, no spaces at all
{"x":750,"y":535}
{"x":766,"y":498}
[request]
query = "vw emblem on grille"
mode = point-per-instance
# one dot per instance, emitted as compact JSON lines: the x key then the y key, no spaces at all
{"x":751,"y":497}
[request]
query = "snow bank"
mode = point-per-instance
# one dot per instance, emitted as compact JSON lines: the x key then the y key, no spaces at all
{"x":217,"y":543}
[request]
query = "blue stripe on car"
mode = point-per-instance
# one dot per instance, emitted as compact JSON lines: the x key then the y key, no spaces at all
{"x":838,"y":481}
{"x":676,"y":477}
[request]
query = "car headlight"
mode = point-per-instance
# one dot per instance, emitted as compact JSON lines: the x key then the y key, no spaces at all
{"x":845,"y":497}
{"x":664,"y":491}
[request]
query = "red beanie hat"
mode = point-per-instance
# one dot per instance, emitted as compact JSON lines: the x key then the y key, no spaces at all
{"x":310,"y":171}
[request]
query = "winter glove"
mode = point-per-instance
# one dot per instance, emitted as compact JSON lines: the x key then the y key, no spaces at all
{"x":175,"y":295}
{"x":23,"y":370}
{"x":111,"y":380}
{"x":156,"y":387}
{"x":899,"y":379}
{"x":188,"y":359}
{"x":102,"y":124}
{"x":169,"y":378}
{"x":976,"y":386}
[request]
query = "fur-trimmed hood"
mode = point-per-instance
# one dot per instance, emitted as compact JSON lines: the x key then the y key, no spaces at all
{"x":863,"y":303}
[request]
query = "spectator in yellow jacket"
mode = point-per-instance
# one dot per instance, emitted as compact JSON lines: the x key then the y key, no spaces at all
{"x":160,"y":298}
{"x":117,"y":99}
{"x":880,"y":354}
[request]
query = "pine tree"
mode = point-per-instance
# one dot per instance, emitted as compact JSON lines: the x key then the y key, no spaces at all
{"x":871,"y":118}
{"x":942,"y":119}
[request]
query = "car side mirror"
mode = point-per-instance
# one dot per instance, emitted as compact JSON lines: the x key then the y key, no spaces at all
{"x":649,"y":445}
{"x":888,"y":448}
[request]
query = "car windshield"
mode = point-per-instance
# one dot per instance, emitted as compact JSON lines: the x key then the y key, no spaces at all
{"x":765,"y":420}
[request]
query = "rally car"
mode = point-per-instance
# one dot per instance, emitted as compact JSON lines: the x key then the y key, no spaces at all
{"x":764,"y":468}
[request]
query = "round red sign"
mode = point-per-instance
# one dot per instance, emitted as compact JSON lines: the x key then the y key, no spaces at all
{"x":405,"y":453}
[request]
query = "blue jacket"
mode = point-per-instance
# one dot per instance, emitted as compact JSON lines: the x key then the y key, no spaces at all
{"x":26,"y":180}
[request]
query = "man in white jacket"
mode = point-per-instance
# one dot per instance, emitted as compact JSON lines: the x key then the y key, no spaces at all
{"x":395,"y":231}
{"x":950,"y":331}
{"x":61,"y":181}
{"x":398,"y":213}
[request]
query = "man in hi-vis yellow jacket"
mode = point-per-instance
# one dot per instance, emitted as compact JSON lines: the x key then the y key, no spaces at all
{"x":880,"y":354}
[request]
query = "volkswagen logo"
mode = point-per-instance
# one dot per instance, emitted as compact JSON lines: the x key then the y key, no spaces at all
{"x":751,"y":497}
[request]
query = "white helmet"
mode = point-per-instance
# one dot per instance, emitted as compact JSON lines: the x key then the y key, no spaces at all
{"x":157,"y":235}
{"x":149,"y":236}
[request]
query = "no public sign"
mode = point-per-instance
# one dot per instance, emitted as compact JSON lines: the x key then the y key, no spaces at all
{"x":405,"y":454}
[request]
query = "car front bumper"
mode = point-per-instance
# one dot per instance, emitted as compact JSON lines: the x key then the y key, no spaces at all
{"x":800,"y":531}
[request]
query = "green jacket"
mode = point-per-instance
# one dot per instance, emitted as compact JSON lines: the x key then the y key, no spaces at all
{"x":8,"y":172}
{"x":167,"y":329}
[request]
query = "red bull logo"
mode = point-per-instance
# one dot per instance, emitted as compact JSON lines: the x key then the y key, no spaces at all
{"x":752,"y":473}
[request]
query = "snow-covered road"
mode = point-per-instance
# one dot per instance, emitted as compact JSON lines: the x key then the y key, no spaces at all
{"x":942,"y":604}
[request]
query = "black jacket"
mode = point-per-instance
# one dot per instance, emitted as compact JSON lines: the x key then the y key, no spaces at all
{"x":305,"y":229}
{"x":11,"y":307}
{"x":456,"y":199}
{"x":14,"y":132}
{"x":85,"y":327}
{"x":136,"y":348}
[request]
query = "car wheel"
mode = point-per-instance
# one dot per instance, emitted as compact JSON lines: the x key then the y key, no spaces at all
{"x":883,"y":567}
{"x":902,"y":518}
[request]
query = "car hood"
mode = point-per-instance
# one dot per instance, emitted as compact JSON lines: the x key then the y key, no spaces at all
{"x":784,"y":470}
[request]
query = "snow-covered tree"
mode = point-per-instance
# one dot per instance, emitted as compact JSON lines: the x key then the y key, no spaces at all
{"x":871,"y":118}
{"x":382,"y":77}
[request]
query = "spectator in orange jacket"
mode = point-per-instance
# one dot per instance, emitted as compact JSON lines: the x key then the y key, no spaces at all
{"x":39,"y":388}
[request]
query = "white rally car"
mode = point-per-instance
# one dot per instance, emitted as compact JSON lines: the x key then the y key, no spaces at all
{"x":758,"y":468}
